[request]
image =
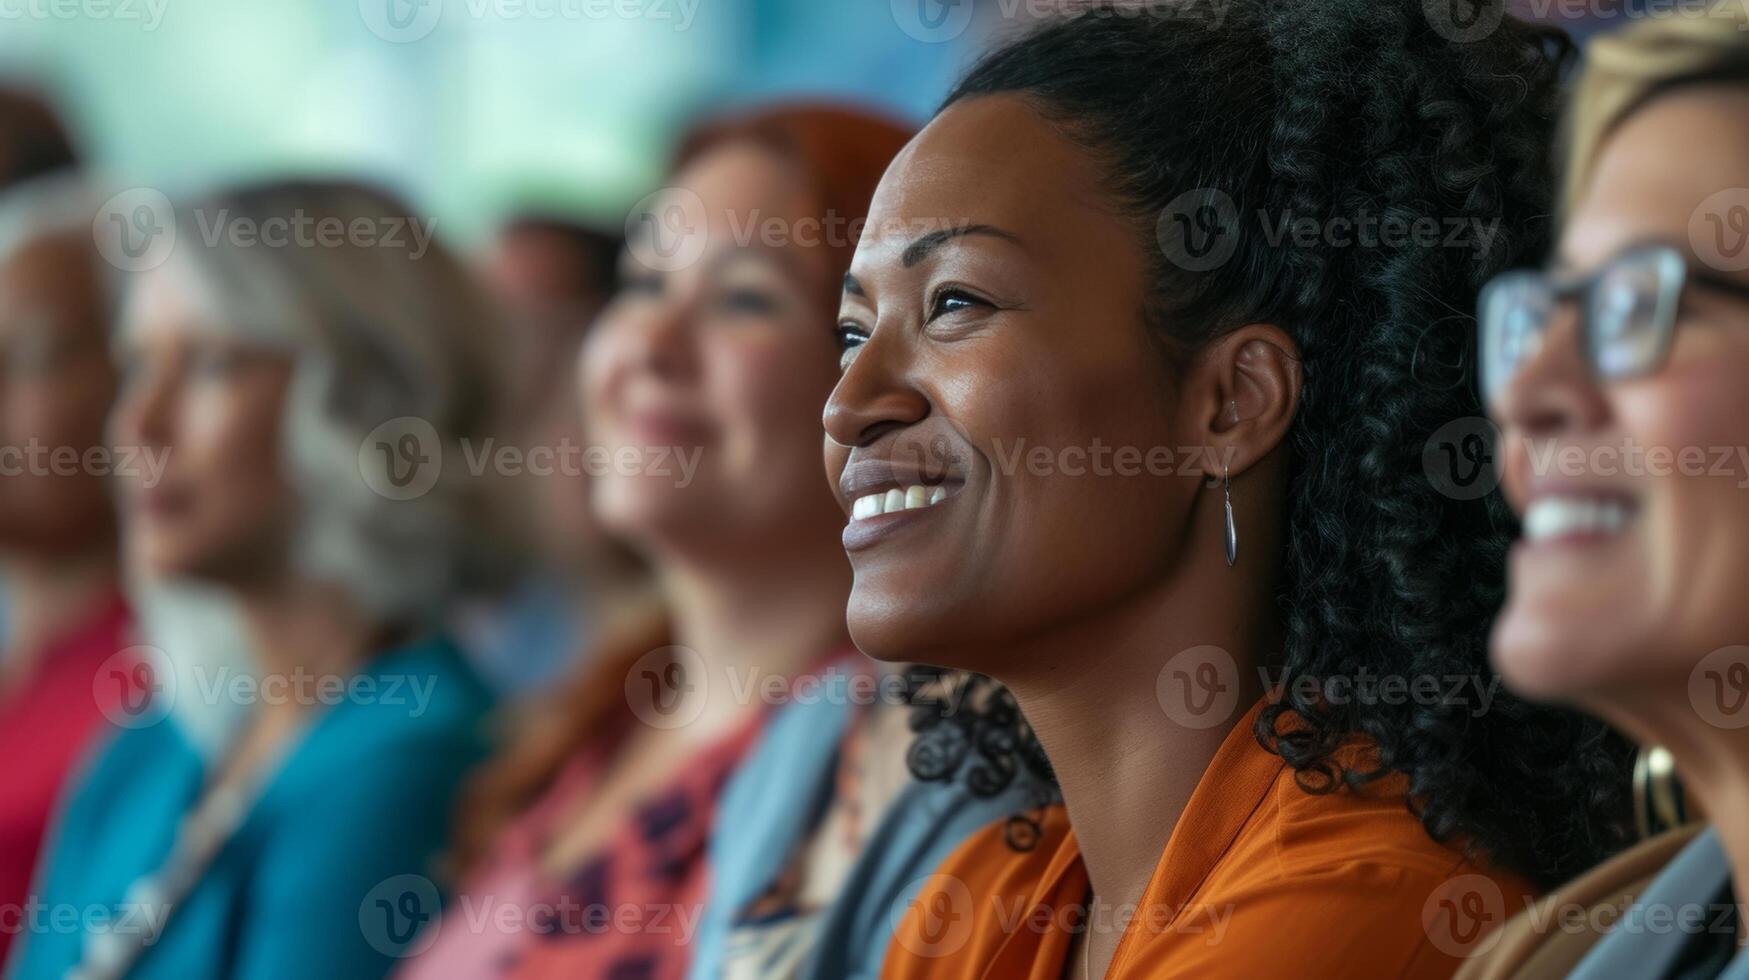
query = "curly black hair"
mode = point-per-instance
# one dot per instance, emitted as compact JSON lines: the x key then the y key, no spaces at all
{"x":1328,"y":109}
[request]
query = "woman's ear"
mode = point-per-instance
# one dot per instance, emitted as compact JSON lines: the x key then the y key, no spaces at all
{"x":1243,"y":390}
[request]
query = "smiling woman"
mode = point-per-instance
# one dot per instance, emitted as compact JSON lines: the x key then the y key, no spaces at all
{"x":1627,"y":585}
{"x":1238,"y":672}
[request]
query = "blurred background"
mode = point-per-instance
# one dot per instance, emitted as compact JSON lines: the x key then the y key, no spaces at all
{"x":469,"y":107}
{"x":473,"y":108}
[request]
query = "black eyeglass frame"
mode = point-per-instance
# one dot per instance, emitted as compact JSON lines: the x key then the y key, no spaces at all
{"x":1675,"y":272}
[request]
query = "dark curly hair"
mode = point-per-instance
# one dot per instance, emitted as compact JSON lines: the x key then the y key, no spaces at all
{"x":1355,"y":109}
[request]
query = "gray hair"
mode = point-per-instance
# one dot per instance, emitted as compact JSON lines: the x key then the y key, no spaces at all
{"x":393,"y":343}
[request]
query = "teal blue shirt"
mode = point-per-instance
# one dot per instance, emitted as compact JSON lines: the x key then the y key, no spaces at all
{"x":328,"y":874}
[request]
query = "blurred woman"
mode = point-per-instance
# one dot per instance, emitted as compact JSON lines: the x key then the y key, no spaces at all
{"x":273,"y":811}
{"x":1617,"y":380}
{"x":57,"y":521}
{"x":1134,"y":422}
{"x":702,"y":380}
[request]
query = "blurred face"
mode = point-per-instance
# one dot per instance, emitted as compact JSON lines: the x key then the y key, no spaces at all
{"x":56,"y":385}
{"x":994,"y":343}
{"x":1630,"y":572}
{"x":704,"y":383}
{"x":213,"y":407}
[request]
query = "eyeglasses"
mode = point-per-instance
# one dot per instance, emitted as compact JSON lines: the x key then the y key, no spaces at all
{"x":1627,"y":314}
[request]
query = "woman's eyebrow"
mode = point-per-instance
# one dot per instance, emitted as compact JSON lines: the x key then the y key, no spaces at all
{"x":920,"y":249}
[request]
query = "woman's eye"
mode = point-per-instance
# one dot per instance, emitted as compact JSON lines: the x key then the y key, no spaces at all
{"x":212,"y":363}
{"x":749,"y":301}
{"x":953,"y":301}
{"x":849,"y":337}
{"x":641,"y":283}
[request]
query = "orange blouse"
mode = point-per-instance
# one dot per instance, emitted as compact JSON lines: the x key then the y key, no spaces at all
{"x":1259,"y":878}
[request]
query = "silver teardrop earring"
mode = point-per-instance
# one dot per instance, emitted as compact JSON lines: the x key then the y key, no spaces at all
{"x":1232,"y":532}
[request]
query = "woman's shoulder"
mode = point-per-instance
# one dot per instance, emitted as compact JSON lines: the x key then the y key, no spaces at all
{"x":1550,"y":937}
{"x":1342,"y":877}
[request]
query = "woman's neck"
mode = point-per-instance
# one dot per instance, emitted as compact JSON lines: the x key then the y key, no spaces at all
{"x":1127,"y":740}
{"x":298,"y":628}
{"x":1711,"y":760}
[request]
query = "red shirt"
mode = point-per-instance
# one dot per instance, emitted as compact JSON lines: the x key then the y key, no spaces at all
{"x":45,"y":725}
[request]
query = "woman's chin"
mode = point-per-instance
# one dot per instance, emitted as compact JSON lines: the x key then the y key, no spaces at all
{"x":1541,"y":660}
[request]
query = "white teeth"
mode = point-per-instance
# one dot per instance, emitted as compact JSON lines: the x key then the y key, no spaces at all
{"x":910,"y":498}
{"x":1555,"y":517}
{"x":869,"y":506}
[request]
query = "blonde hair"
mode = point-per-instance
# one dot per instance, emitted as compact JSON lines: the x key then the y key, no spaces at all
{"x":1626,"y":70}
